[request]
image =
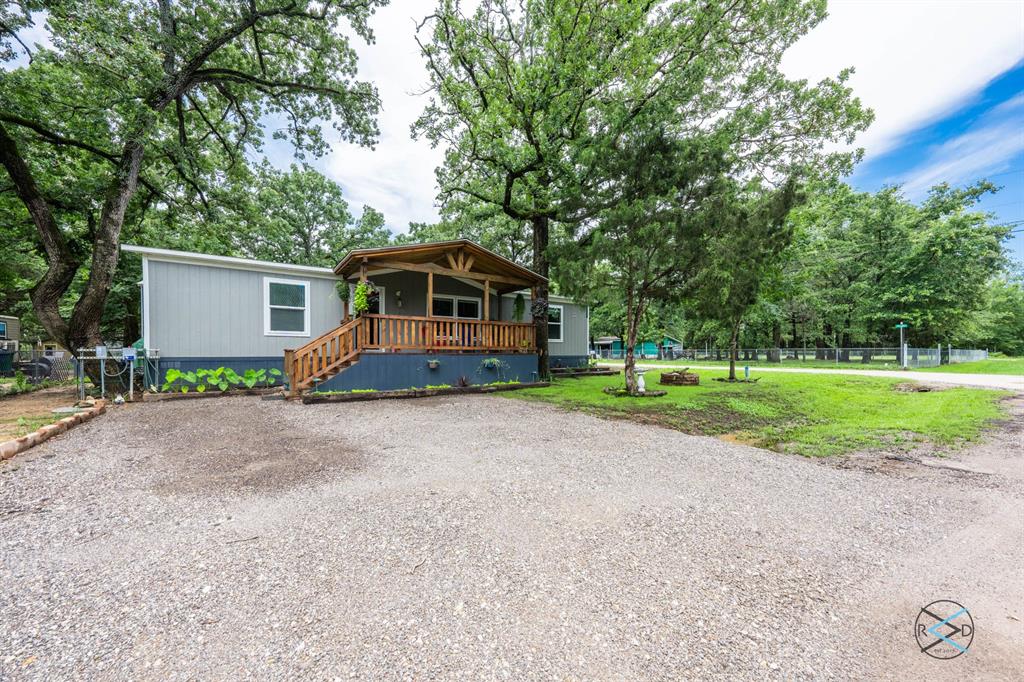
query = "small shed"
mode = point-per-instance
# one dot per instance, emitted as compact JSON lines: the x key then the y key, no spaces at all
{"x":10,"y":332}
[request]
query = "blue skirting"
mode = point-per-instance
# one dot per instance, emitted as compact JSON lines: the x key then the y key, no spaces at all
{"x":394,"y":371}
{"x":387,"y":371}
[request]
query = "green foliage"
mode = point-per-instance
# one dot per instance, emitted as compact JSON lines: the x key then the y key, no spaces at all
{"x":134,"y":109}
{"x":300,"y":216}
{"x":493,"y":363}
{"x":354,"y":390}
{"x":861,"y":262}
{"x":361,"y":297}
{"x":221,"y":378}
{"x":518,"y":308}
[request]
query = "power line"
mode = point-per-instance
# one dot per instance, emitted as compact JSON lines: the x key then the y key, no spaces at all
{"x":996,"y":175}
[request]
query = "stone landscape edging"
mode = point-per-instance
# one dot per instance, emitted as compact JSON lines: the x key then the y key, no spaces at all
{"x":16,"y":446}
{"x":313,"y":398}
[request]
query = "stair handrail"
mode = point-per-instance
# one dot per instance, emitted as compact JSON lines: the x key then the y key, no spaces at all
{"x":295,"y":360}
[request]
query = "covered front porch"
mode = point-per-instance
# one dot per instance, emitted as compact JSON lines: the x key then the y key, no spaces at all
{"x":438,"y":298}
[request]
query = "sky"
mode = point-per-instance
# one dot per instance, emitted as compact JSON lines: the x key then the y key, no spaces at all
{"x":944,"y":77}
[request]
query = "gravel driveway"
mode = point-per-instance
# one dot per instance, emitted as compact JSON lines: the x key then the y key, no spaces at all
{"x":481,"y":537}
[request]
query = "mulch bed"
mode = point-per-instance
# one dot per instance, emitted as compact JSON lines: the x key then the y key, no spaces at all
{"x":313,"y":398}
{"x":623,"y":393}
{"x":150,"y":397}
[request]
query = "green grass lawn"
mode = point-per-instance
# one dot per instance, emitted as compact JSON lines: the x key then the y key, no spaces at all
{"x":813,"y":415}
{"x":990,"y":366}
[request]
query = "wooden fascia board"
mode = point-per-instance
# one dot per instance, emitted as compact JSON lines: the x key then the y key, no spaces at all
{"x":439,"y":270}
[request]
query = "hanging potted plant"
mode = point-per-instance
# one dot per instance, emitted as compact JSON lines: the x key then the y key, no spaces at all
{"x":433,"y":363}
{"x":364,"y":295}
{"x":518,"y":308}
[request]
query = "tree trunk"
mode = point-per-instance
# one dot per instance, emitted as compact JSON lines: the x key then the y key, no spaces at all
{"x":540,"y":296}
{"x":775,"y":354}
{"x":634,"y":313}
{"x":62,"y":265}
{"x":84,"y":325}
{"x":733,"y":350}
{"x":82,"y":329}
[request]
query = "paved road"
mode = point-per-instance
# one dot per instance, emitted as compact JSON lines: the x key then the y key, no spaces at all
{"x":1010,"y":382}
{"x":478,"y":537}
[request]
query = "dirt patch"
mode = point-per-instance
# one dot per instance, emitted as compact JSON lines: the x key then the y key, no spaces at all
{"x":35,"y":405}
{"x":989,"y":464}
{"x":919,"y":387}
{"x":715,"y":420}
{"x":236,"y":452}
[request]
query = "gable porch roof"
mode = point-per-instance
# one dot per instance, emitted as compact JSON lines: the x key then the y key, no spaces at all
{"x":455,"y":258}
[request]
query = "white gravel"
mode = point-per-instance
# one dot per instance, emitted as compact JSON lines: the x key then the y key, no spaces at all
{"x":482,"y":537}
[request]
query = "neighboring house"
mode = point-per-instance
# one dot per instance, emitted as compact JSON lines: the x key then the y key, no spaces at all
{"x":10,"y":332}
{"x":613,"y":347}
{"x":451,"y":302}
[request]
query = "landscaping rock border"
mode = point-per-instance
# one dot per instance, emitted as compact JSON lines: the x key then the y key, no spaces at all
{"x":313,"y":398}
{"x":14,"y":447}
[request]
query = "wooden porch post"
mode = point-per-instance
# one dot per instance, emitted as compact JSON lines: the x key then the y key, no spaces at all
{"x":487,"y":300}
{"x":428,"y":333}
{"x":430,"y":294}
{"x":362,"y":271}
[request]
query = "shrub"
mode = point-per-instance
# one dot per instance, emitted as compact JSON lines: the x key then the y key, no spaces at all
{"x":222,"y":378}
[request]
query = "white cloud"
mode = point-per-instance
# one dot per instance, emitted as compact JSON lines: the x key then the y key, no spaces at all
{"x":986,"y":148}
{"x":914,"y":60}
{"x":397,"y":177}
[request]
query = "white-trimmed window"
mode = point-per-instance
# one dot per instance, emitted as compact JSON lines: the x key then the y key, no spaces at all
{"x":461,"y":307}
{"x":3,"y":329}
{"x":555,"y":323}
{"x":285,"y":307}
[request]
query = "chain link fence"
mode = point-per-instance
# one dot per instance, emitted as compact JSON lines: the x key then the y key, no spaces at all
{"x":880,"y":358}
{"x":37,"y":365}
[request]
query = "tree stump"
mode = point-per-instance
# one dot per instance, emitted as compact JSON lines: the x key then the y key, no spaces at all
{"x":680,"y":378}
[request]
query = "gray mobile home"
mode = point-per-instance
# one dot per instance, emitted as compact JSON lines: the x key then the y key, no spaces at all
{"x":442,"y":313}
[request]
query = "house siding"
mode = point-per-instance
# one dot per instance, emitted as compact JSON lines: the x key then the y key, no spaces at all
{"x":200,"y":311}
{"x":573,"y":348}
{"x":199,"y":315}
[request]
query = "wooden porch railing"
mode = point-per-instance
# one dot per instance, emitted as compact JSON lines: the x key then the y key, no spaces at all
{"x":327,"y":355}
{"x":323,"y":356}
{"x":400,"y":332}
